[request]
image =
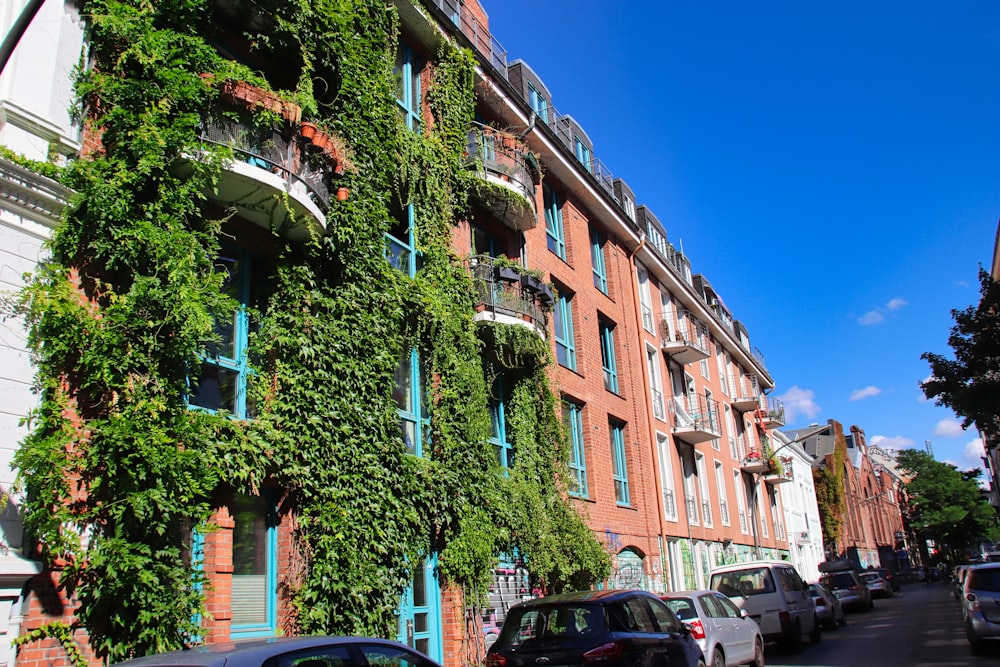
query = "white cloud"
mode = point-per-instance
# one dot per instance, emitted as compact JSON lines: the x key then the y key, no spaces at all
{"x":949,"y":428}
{"x":973,"y":452}
{"x":896,"y":304}
{"x":896,"y":442}
{"x":797,"y":402}
{"x":922,"y":398}
{"x":871,"y":317}
{"x":867,"y":392}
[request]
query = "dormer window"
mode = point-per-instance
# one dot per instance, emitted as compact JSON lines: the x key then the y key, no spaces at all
{"x":538,"y":103}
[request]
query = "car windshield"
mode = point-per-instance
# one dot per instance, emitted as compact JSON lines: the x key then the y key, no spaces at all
{"x":749,"y":581}
{"x":570,"y":620}
{"x":985,"y":580}
{"x":871,"y":578}
{"x":683,"y":607}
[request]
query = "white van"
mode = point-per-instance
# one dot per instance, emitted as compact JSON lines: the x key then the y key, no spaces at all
{"x":774,"y":595}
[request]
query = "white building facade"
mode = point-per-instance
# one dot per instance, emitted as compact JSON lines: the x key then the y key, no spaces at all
{"x":805,"y":535}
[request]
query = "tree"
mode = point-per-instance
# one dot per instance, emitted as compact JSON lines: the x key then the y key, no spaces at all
{"x":946,"y":503}
{"x":969,"y":383}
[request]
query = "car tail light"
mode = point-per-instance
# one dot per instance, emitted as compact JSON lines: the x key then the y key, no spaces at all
{"x":496,"y":660}
{"x":696,"y":627}
{"x":609,"y":651}
{"x":784,"y":617}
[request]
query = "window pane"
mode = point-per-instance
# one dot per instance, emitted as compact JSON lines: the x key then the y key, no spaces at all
{"x":250,"y":561}
{"x":216,"y":389}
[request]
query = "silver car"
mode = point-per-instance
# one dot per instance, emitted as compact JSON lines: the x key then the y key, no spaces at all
{"x":877,"y":584}
{"x":726,"y":635}
{"x":829,"y":610}
{"x":981,"y":605}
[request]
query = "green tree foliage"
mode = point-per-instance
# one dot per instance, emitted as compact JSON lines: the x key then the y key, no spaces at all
{"x":946,"y":504}
{"x":829,"y":482}
{"x":118,"y":471}
{"x":970,"y":383}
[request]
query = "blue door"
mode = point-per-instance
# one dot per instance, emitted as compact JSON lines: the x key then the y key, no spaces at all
{"x":420,"y":612}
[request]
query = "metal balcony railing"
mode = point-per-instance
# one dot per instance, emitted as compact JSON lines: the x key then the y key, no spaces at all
{"x":706,"y":512}
{"x":503,"y":288}
{"x":696,"y":418}
{"x":743,"y":521}
{"x":669,"y":504}
{"x":724,"y":512}
{"x":657,"y":398}
{"x":692,"y":510}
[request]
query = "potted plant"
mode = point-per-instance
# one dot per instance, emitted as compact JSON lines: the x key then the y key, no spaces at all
{"x":307,"y":130}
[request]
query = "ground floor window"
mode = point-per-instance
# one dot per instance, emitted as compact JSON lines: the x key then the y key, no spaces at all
{"x":254,"y":585}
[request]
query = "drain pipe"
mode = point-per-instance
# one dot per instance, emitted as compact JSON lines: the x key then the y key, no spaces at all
{"x":531,"y":126}
{"x":17,"y":31}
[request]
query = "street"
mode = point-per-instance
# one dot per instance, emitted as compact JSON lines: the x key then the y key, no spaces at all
{"x":921,"y":625}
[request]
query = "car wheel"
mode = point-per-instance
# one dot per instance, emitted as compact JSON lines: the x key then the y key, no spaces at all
{"x":816,"y":635}
{"x":701,"y":662}
{"x":718,"y":657}
{"x":758,"y":653}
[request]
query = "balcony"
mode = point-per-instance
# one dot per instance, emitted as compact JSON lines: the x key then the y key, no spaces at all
{"x":509,"y":176}
{"x":278,"y":177}
{"x":746,"y":394}
{"x":755,"y":462}
{"x":695,"y":419}
{"x":774,"y":415}
{"x":682,"y":343}
{"x":508,"y":294}
{"x":780,"y":471}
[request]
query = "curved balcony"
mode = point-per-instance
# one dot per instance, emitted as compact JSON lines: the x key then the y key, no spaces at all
{"x":280,"y":176}
{"x":695,"y":419}
{"x":508,"y":175}
{"x":682,"y":342}
{"x":781,"y":471}
{"x":506,"y":294}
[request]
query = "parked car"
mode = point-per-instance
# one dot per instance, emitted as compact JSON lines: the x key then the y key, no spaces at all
{"x":612,"y":627}
{"x":958,"y":580}
{"x":725,"y":633}
{"x":981,"y":605}
{"x":829,"y":610}
{"x":893,"y":579}
{"x":291,"y":652}
{"x":877,"y":584}
{"x":774,"y":596}
{"x":845,"y":583}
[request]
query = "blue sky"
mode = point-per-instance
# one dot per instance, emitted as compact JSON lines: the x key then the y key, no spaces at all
{"x":832,"y":168}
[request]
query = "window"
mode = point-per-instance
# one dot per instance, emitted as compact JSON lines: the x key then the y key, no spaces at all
{"x":554,"y":222}
{"x":407,"y":75}
{"x":706,"y":505}
{"x":400,"y":245}
{"x":740,"y":500}
{"x":720,"y":361}
{"x":222,"y":379}
{"x":411,"y":400}
{"x":597,"y":259}
{"x":690,"y":492}
{"x":629,"y":206}
{"x":254,"y":582}
{"x":644,"y":300}
{"x":655,"y":386}
{"x":538,"y":103}
{"x":498,"y":426}
{"x":666,"y":478}
{"x":608,"y":364}
{"x":619,"y":462}
{"x":582,"y":151}
{"x":573,"y":419}
{"x":720,"y":481}
{"x":563,"y":322}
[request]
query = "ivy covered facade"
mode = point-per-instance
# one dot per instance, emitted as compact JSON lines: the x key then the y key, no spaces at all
{"x":345,"y":330}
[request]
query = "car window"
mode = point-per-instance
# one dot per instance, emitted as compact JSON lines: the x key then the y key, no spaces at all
{"x":839,"y":580}
{"x":522,"y":625}
{"x":746,"y":582}
{"x":790,"y":581}
{"x":711,"y":607}
{"x":635,"y":617}
{"x":870,"y":576}
{"x":683,"y":607}
{"x":731,"y":610}
{"x":665,"y":618}
{"x":985,"y":580}
{"x":322,"y":656}
{"x":380,"y":655}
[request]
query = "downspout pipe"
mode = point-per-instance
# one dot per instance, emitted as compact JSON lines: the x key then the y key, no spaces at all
{"x":17,"y":31}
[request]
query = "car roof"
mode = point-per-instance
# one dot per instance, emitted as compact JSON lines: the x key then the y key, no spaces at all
{"x":691,"y":593}
{"x":749,"y":564}
{"x":599,"y":597}
{"x":248,"y":651}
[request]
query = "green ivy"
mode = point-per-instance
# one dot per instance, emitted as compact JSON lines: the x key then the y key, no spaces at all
{"x":120,"y":315}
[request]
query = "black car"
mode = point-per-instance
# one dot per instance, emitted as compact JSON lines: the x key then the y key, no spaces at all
{"x":611,"y":627}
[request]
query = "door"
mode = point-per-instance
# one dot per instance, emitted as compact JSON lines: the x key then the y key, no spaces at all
{"x":420,"y":612}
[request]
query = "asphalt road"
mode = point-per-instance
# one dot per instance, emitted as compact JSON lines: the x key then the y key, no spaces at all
{"x":921,"y":625}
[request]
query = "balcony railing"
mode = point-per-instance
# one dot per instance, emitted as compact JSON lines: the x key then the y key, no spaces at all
{"x":682,"y":342}
{"x":781,"y":471}
{"x":706,"y":512}
{"x":724,"y":512}
{"x":505,"y":162}
{"x":755,"y":461}
{"x":508,"y":294}
{"x":657,"y":398}
{"x":695,"y":418}
{"x":774,"y":416}
{"x":743,"y":521}
{"x":669,"y":504}
{"x":692,"y":510}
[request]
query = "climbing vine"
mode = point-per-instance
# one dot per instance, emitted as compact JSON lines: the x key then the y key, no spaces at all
{"x":119,"y":471}
{"x":829,"y":482}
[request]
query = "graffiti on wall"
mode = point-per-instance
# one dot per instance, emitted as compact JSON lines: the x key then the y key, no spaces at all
{"x":510,"y":585}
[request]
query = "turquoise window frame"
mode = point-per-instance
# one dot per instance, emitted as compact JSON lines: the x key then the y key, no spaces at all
{"x":415,"y":414}
{"x":573,"y":418}
{"x":564,"y":335}
{"x":582,"y":152}
{"x":608,"y":362}
{"x":237,"y":364}
{"x":620,"y":463}
{"x":432,"y":593}
{"x":597,"y":241}
{"x":538,"y":103}
{"x":402,"y":253}
{"x":270,"y":627}
{"x":498,"y":422}
{"x":555,"y":236}
{"x":407,"y":71}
